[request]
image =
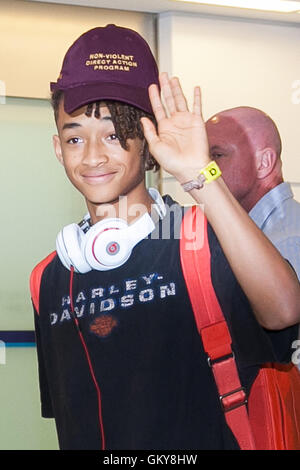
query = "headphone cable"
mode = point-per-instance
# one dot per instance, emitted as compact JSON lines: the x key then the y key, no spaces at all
{"x":88,"y":360}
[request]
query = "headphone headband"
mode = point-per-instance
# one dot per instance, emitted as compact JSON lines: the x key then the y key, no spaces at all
{"x":108,"y":243}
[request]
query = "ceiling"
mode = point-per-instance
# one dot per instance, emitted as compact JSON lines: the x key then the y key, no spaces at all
{"x":160,"y":6}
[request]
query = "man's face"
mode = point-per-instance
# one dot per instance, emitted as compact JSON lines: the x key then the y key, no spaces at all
{"x":93,"y":158}
{"x":232,"y":150}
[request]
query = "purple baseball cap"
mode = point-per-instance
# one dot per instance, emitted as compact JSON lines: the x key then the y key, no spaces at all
{"x":111,"y":63}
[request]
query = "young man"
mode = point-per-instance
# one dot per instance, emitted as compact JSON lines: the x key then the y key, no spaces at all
{"x":121,"y":363}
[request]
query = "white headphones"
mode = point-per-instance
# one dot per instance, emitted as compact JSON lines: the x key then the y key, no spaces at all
{"x":107,"y":244}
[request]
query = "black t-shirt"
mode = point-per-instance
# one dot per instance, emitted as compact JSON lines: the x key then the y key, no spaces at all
{"x":157,"y":390}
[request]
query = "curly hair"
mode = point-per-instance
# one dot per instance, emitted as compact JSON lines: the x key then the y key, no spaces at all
{"x":126,"y":121}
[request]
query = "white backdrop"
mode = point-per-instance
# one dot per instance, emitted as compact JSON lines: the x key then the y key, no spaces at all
{"x":238,"y":62}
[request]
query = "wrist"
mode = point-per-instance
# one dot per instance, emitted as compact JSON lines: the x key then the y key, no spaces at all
{"x":191,"y":173}
{"x":207,"y":174}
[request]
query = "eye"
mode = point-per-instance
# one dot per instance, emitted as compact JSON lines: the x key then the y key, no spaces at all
{"x":113,"y":137}
{"x":74,"y":140}
{"x":216,"y":155}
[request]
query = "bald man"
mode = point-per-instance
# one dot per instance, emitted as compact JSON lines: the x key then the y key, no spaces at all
{"x":246,"y":144}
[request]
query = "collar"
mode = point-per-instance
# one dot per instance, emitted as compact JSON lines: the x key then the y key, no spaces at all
{"x":158,"y":210}
{"x":269,"y":202}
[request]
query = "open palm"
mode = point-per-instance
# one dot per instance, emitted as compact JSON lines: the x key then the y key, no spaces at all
{"x":180,"y":143}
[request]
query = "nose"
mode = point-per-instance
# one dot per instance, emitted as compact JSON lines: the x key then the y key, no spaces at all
{"x":95,"y":153}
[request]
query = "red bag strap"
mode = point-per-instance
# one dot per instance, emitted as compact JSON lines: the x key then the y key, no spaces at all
{"x":212,"y":326}
{"x":35,"y":280}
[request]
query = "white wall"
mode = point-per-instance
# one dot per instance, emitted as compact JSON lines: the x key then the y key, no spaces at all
{"x":36,"y":37}
{"x":237,"y":62}
{"x":36,"y":197}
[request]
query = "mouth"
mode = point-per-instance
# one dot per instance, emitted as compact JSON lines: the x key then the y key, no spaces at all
{"x":98,"y":178}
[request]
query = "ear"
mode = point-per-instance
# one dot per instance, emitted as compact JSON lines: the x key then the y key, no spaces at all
{"x":265,"y":162}
{"x":57,"y":149}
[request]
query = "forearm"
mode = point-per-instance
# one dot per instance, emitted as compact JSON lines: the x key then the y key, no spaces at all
{"x":268,"y":281}
{"x":181,"y":147}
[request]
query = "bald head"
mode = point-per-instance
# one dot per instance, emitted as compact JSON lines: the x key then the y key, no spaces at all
{"x":247,"y":146}
{"x":260,"y":128}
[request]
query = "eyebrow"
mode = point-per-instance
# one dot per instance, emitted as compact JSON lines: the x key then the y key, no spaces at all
{"x":216,"y":147}
{"x":73,"y":125}
{"x":70,"y":125}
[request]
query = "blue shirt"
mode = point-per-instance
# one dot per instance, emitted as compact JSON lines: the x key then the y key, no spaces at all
{"x":277,"y":214}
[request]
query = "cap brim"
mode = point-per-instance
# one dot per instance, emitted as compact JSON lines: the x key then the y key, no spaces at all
{"x":81,"y":95}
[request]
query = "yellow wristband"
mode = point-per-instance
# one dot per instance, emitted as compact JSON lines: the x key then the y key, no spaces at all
{"x":211,"y":172}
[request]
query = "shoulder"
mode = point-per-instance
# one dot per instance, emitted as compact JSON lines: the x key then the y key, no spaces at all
{"x":36,"y":276}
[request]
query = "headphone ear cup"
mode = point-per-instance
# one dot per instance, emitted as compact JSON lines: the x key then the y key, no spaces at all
{"x":106,"y":245}
{"x":69,"y":243}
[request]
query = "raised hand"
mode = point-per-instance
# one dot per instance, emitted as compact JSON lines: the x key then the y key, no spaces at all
{"x":180,"y":144}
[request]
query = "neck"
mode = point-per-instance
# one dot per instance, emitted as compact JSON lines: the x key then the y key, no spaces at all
{"x":128,"y":207}
{"x":257,"y":192}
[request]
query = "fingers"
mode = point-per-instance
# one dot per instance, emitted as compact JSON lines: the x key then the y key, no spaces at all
{"x":178,"y":96}
{"x":167,"y":93}
{"x":157,"y":106}
{"x":149,"y":132}
{"x":174,"y":99}
{"x":197,"y":105}
{"x":173,"y":95}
